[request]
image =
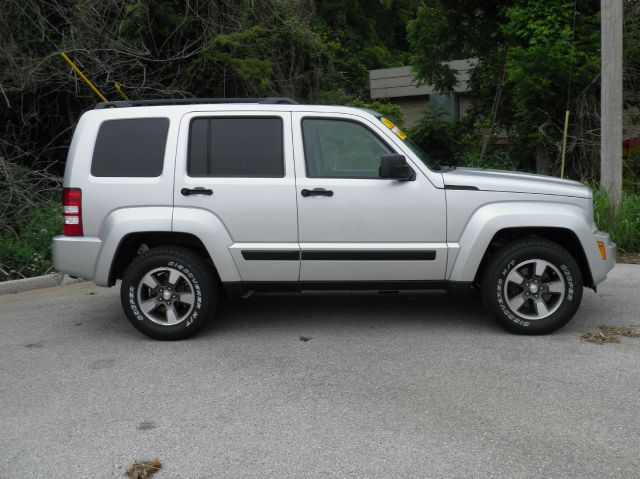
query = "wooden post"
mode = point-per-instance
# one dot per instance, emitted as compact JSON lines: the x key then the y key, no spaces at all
{"x":611,"y":100}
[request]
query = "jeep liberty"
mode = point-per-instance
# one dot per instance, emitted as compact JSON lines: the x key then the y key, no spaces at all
{"x":188,"y":202}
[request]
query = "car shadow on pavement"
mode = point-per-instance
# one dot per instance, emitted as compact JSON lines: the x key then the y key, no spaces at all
{"x":295,"y":313}
{"x":348,"y":311}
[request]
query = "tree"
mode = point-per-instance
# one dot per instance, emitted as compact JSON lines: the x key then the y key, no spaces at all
{"x":525,"y":55}
{"x":360,"y":35}
{"x":631,"y":65}
{"x":309,"y":50}
{"x":312,"y":51}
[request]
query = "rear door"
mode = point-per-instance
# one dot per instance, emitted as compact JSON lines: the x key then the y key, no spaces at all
{"x":354,"y":225}
{"x":239,"y":166}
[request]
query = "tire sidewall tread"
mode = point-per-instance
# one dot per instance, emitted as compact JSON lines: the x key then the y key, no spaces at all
{"x":189,"y":264}
{"x":501,"y":264}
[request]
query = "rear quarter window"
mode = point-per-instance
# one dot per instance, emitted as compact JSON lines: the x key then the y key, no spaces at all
{"x":130,"y":148}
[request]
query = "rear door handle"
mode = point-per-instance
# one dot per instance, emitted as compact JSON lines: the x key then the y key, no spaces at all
{"x":316,"y":192}
{"x":196,"y":191}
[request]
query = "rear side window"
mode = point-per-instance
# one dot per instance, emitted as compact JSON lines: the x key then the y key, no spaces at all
{"x":236,"y":147}
{"x":131,"y":147}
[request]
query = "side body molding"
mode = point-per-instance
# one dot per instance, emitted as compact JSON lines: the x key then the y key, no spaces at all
{"x":214,"y":236}
{"x":493,"y":217}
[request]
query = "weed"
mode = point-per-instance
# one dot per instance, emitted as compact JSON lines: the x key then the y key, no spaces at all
{"x":30,"y":214}
{"x":624,"y":227}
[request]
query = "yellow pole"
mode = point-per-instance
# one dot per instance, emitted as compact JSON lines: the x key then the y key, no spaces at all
{"x":564,"y":142}
{"x":117,"y":85}
{"x":77,"y":70}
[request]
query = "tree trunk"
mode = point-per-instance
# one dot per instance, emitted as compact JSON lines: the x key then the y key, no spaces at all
{"x":543,"y":165}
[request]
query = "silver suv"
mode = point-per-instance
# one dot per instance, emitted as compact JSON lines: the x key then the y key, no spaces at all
{"x":191,"y":202}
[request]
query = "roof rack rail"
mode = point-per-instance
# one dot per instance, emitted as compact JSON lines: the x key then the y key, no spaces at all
{"x":193,"y":101}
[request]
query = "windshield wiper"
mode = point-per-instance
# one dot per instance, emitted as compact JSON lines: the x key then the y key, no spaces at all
{"x":443,"y":166}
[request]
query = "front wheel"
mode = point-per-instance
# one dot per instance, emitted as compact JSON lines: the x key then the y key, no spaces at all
{"x":168,"y":293}
{"x":532,"y":286}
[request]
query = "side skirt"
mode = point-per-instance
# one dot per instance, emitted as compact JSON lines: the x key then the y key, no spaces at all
{"x":237,"y":289}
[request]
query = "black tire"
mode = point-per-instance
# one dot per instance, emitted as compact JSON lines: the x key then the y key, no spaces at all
{"x":179,"y":308}
{"x":517,"y":261}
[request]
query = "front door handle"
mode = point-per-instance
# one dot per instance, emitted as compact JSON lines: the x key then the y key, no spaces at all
{"x":316,"y":192}
{"x":196,"y":191}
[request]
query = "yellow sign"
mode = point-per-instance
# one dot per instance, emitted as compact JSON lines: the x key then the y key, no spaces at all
{"x":389,"y":124}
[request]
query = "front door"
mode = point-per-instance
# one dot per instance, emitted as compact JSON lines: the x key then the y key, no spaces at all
{"x":352,"y":224}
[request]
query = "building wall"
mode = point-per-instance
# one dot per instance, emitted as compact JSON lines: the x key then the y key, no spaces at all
{"x":399,"y":86}
{"x":400,"y":82}
{"x":413,"y":107}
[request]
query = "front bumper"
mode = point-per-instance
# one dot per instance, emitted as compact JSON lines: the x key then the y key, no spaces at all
{"x":600,"y":267}
{"x":76,"y":255}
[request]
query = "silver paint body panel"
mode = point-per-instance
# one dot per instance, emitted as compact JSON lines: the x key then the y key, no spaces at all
{"x":270,"y":215}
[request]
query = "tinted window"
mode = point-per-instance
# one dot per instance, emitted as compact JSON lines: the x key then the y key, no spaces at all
{"x":130,"y":147}
{"x":341,"y":149}
{"x":236,"y":147}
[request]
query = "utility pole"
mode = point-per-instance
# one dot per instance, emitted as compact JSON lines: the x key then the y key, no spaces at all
{"x":611,"y":99}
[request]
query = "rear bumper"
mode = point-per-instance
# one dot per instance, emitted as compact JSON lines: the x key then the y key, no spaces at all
{"x":76,"y":255}
{"x":600,"y":267}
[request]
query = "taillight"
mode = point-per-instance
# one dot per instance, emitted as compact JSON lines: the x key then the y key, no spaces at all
{"x":72,"y":210}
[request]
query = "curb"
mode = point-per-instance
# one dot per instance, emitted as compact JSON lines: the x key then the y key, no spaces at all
{"x":37,"y":282}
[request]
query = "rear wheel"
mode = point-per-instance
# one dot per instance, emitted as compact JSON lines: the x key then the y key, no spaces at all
{"x":168,"y":293}
{"x":532,"y":286}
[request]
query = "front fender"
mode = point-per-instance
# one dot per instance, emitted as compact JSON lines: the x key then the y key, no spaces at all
{"x":491,"y":218}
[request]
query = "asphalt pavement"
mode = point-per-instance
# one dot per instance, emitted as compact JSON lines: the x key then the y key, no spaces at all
{"x":318,"y":385}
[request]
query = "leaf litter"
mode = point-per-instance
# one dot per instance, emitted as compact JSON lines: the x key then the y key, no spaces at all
{"x":144,"y":469}
{"x":610,"y":334}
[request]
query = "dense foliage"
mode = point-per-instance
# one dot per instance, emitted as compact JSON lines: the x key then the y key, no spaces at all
{"x":623,"y":224}
{"x":529,"y":69}
{"x":306,"y":50}
{"x":30,"y":215}
{"x":311,"y":51}
{"x":533,"y":60}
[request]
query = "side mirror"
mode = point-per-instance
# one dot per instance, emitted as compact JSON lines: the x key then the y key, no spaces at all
{"x":396,"y":167}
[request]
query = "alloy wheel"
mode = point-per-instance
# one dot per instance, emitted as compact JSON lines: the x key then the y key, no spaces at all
{"x":166,"y":296}
{"x":534,"y":289}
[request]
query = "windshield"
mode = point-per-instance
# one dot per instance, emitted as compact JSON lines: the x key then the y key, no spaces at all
{"x":412,"y":146}
{"x":420,"y":153}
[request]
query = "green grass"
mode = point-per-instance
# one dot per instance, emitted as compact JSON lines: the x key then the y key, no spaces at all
{"x":30,"y":214}
{"x":624,"y":227}
{"x":25,"y":247}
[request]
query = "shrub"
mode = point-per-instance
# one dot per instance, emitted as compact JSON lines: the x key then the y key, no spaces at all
{"x":29,"y":252}
{"x":437,"y":135}
{"x":384,"y":107}
{"x":624,"y":227}
{"x":30,"y":214}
